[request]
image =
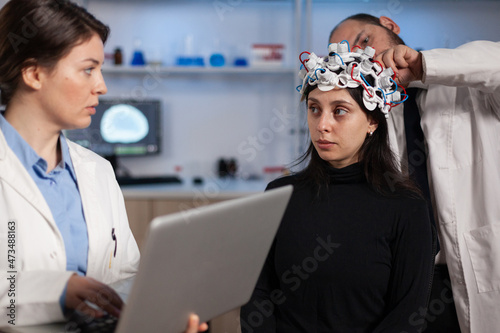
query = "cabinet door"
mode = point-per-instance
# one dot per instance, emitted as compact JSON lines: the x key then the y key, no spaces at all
{"x":139,"y":215}
{"x":163,"y":207}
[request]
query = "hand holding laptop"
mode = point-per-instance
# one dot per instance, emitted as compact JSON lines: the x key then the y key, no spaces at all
{"x":82,"y":289}
{"x":193,"y":325}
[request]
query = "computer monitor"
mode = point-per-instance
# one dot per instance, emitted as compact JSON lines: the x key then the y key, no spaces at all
{"x":122,"y":127}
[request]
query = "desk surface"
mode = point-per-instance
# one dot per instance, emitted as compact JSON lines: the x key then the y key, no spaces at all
{"x":122,"y":287}
{"x":50,"y":328}
{"x":211,"y":188}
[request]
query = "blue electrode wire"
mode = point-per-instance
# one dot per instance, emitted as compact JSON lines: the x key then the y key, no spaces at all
{"x":406,"y":97}
{"x":394,"y":89}
{"x":319,"y":69}
{"x":361,"y":75}
{"x":348,"y":46}
{"x":338,"y":55}
{"x":402,"y":101}
{"x":299,"y":87}
{"x":383,"y":95}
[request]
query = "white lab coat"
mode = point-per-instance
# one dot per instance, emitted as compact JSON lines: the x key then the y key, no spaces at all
{"x":39,"y":259}
{"x":460,"y":111}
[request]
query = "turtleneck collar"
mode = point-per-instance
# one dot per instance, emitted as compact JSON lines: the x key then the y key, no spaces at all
{"x":353,"y":173}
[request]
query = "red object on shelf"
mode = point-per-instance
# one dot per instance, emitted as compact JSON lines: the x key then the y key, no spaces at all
{"x":267,"y":54}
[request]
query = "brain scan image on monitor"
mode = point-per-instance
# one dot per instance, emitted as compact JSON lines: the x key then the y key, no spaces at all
{"x":123,"y":123}
{"x":122,"y":127}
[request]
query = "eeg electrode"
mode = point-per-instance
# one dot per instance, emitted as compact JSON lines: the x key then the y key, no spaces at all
{"x":345,"y":69}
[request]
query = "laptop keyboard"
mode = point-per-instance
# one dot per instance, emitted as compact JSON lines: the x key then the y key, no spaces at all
{"x":79,"y":323}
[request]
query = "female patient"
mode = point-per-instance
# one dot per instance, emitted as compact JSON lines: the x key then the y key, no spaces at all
{"x":354,"y":252}
{"x":61,"y":210}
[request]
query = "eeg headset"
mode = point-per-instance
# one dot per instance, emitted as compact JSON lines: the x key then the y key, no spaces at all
{"x":345,"y":69}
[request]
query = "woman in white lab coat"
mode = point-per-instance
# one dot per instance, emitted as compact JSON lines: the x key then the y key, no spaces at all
{"x":64,"y":229}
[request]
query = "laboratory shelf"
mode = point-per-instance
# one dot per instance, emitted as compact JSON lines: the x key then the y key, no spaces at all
{"x":141,"y":70}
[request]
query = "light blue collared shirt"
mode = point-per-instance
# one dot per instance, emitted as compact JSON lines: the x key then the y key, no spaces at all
{"x":60,"y":189}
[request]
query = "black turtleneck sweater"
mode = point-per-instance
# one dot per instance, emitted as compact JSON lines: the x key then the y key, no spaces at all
{"x":350,"y":260}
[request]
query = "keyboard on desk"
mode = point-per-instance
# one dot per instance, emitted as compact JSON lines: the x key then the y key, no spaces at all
{"x":80,"y":323}
{"x":130,"y":180}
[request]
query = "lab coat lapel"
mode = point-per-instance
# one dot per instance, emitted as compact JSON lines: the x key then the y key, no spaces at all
{"x":15,"y":175}
{"x":396,"y":129}
{"x":85,"y":170}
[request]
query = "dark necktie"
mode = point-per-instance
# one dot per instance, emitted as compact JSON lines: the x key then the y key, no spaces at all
{"x":415,"y":145}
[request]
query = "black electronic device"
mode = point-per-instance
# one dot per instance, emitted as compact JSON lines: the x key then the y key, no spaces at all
{"x":127,"y":180}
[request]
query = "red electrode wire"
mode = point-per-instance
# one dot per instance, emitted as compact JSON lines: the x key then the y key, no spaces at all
{"x":404,"y":93}
{"x":362,"y":83}
{"x":381,"y":67}
{"x":302,"y":61}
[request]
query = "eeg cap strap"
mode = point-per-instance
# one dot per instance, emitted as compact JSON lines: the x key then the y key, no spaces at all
{"x":345,"y":69}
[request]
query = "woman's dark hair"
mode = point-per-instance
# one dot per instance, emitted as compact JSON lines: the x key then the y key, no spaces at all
{"x":40,"y":32}
{"x":380,"y":166}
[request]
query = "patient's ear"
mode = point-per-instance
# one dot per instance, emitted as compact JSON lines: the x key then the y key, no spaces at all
{"x":373,"y":125}
{"x":389,"y":24}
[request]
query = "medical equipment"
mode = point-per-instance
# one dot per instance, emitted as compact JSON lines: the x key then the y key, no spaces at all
{"x":345,"y":69}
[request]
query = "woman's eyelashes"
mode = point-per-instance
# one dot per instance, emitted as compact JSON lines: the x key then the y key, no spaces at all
{"x":340,"y":111}
{"x":312,"y":109}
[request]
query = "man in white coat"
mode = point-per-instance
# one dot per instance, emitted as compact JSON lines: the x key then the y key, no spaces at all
{"x":460,"y":118}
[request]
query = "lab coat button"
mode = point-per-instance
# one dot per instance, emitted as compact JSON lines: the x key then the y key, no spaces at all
{"x":53,"y":255}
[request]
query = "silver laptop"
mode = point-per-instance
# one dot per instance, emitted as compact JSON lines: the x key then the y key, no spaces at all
{"x":205,"y":261}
